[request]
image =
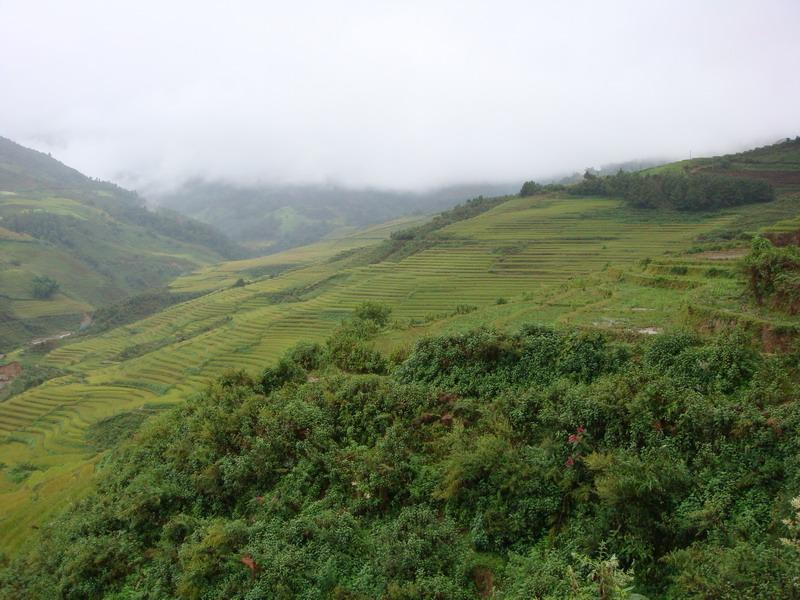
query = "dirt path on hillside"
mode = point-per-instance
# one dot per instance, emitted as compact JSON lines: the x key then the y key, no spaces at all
{"x":732,"y":254}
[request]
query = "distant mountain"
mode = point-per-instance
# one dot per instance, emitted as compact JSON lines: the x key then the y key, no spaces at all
{"x":513,"y":264}
{"x":629,"y":166}
{"x":274,"y":218}
{"x":97,"y":242}
{"x":24,"y":170}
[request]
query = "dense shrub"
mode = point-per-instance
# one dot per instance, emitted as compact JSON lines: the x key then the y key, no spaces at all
{"x":286,"y":371}
{"x":773,"y":275}
{"x":307,"y":355}
{"x":350,"y":352}
{"x":349,"y":349}
{"x":695,"y":191}
{"x":483,"y":361}
{"x":543,"y":464}
{"x":44,"y":287}
{"x":377,"y":312}
{"x":530,"y":188}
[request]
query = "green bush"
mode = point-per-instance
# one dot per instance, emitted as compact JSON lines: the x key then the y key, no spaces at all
{"x":350,"y":352}
{"x":773,"y":275}
{"x":44,"y":287}
{"x":679,"y":191}
{"x":308,"y":355}
{"x":286,"y":371}
{"x":541,"y":464}
{"x":530,"y":188}
{"x":376,"y":312}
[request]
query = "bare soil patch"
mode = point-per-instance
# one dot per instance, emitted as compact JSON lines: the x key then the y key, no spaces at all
{"x":732,"y":254}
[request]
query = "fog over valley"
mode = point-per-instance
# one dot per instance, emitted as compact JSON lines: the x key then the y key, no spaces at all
{"x":403,"y":96}
{"x":421,"y":300}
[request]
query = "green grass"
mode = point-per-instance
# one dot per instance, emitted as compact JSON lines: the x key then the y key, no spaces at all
{"x":783,"y":157}
{"x":113,"y":261}
{"x":95,"y":239}
{"x":344,"y":241}
{"x":554,"y":259}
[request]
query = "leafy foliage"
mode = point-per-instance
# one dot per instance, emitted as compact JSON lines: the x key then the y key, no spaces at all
{"x":530,"y":188}
{"x":110,"y":431}
{"x":349,"y":349}
{"x":544,"y":464}
{"x":695,"y":191}
{"x":44,"y":287}
{"x":773,"y":274}
{"x":376,"y":312}
{"x":136,"y":307}
{"x":294,"y":215}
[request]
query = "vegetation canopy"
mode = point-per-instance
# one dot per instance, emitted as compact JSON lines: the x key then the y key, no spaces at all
{"x":540,"y":464}
{"x":44,"y":287}
{"x":679,"y":191}
{"x":773,"y":275}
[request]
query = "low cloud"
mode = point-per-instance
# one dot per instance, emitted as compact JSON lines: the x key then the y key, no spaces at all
{"x":398,"y":95}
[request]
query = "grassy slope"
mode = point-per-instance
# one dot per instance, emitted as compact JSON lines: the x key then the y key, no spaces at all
{"x":347,"y":240}
{"x":91,"y":237}
{"x":272,"y":218}
{"x":120,"y":260}
{"x":699,"y":284}
{"x":779,"y":163}
{"x":554,"y":259}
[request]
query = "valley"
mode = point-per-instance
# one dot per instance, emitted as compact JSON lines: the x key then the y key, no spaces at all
{"x":552,"y":258}
{"x":90,"y":242}
{"x":399,"y":301}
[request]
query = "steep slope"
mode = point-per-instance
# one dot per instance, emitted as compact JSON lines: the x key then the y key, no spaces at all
{"x":551,"y":258}
{"x":521,"y":251}
{"x":542,"y":464}
{"x":96,"y":241}
{"x":777,"y":163}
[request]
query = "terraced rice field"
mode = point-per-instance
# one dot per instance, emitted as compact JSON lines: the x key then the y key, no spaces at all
{"x":120,"y":260}
{"x":537,"y":247}
{"x":225,"y":274}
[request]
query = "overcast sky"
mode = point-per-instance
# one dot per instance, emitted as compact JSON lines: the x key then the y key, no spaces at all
{"x":399,"y":94}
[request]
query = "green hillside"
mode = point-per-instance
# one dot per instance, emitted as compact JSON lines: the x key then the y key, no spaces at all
{"x":540,"y":464}
{"x":778,"y":163}
{"x":270,"y":218}
{"x":594,"y":263}
{"x":94,"y":239}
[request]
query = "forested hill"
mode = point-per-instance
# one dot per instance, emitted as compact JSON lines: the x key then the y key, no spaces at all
{"x":275,"y":217}
{"x":612,"y":278}
{"x":701,"y":184}
{"x":28,"y":173}
{"x":69,"y":244}
{"x":546,"y":464}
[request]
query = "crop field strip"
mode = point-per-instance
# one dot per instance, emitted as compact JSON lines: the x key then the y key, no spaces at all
{"x":129,"y":248}
{"x":225,"y":274}
{"x":522,"y":246}
{"x":631,"y":300}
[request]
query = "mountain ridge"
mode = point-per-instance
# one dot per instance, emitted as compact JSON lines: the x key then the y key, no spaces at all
{"x":94,"y":241}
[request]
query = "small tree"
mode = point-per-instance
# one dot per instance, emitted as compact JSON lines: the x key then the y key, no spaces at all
{"x":44,"y":287}
{"x":529,"y":188}
{"x":374,"y":311}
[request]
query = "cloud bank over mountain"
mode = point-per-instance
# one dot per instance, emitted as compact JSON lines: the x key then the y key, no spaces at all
{"x":399,"y":95}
